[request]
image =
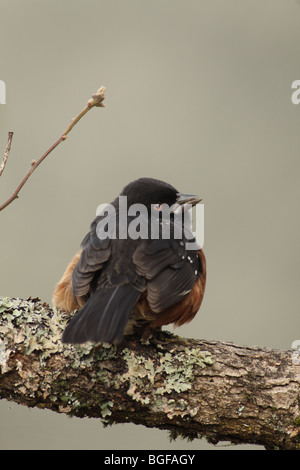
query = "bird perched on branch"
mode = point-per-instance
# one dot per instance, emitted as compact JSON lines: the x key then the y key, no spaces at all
{"x":134,"y":274}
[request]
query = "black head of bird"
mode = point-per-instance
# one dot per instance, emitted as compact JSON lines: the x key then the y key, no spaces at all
{"x":151,"y":191}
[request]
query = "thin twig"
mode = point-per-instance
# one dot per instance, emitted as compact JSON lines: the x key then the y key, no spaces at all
{"x":96,"y":100}
{"x":7,"y":150}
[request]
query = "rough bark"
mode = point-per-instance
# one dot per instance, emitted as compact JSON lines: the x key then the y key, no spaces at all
{"x":193,"y":388}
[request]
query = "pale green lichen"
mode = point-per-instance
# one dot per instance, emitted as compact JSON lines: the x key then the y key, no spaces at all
{"x":105,"y":411}
{"x":29,"y":323}
{"x":173,"y":373}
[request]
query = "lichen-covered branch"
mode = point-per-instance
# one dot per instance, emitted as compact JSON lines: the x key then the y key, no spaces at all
{"x":193,"y":388}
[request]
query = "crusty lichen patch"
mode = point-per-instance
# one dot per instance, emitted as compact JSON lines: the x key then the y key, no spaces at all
{"x":36,"y":327}
{"x":152,"y":383}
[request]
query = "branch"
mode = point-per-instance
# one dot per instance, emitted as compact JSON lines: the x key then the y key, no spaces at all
{"x":96,"y":100}
{"x":6,"y":154}
{"x":193,"y":388}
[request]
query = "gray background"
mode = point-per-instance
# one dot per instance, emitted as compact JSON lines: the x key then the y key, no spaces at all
{"x":198,"y":94}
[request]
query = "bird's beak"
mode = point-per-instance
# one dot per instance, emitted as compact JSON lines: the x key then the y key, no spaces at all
{"x":183,"y":199}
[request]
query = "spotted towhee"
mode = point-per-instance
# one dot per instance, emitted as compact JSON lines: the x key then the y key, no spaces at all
{"x":123,"y":281}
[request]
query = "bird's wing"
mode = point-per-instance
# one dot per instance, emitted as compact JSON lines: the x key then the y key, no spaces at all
{"x":95,"y":252}
{"x":171,"y":271}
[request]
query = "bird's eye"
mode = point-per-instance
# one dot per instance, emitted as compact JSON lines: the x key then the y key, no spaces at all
{"x":157,"y":207}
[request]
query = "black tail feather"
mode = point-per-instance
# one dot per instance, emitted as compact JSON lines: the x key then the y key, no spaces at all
{"x":104,"y":316}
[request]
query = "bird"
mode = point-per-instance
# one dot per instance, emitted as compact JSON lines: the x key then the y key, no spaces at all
{"x":122,"y":285}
